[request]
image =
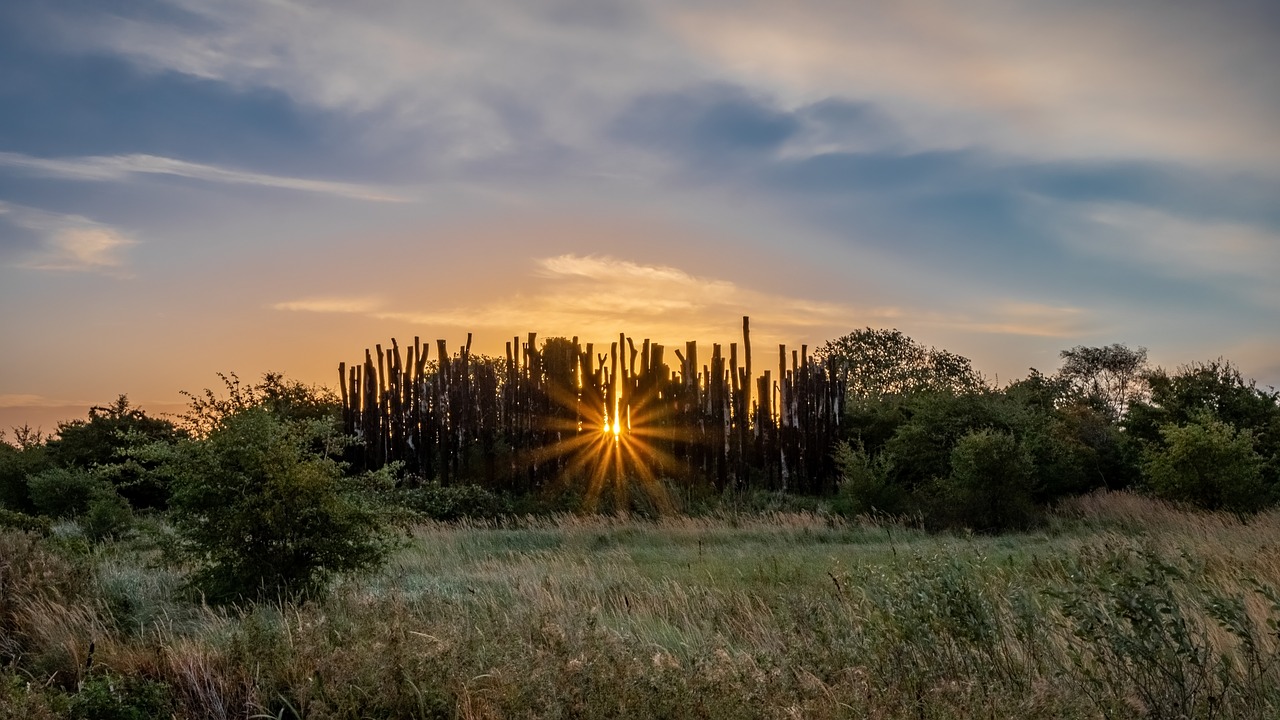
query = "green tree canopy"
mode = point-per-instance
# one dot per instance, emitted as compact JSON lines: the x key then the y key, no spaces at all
{"x":118,"y":443}
{"x":1108,"y":378}
{"x":1209,"y":463}
{"x":286,"y":399}
{"x":875,"y":364}
{"x":1214,"y":390}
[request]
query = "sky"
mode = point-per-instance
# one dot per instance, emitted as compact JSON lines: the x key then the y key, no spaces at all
{"x":192,"y":187}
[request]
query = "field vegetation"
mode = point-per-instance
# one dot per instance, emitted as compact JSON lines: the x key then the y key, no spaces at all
{"x":1096,"y":542}
{"x":1120,"y":606}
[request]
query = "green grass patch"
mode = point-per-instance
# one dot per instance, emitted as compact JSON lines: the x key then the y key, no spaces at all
{"x":1120,"y":608}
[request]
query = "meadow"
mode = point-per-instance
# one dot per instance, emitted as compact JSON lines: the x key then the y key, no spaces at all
{"x":1117,"y":606}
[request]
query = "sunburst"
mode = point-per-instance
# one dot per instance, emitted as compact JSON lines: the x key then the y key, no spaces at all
{"x":612,"y":450}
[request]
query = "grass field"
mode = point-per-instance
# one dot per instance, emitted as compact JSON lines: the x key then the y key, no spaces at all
{"x":1119,"y":607}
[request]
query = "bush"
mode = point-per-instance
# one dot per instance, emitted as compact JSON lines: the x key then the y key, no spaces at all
{"x":65,"y":492}
{"x":109,"y":516}
{"x":17,"y":464}
{"x":1208,"y":463}
{"x":263,"y":514}
{"x":989,"y":488}
{"x":864,"y":487}
{"x":123,"y":446}
{"x":453,"y":502}
{"x":109,"y":697}
{"x":920,"y":449}
{"x":21,"y":521}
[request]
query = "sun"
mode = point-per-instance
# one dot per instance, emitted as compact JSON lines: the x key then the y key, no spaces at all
{"x":612,"y":453}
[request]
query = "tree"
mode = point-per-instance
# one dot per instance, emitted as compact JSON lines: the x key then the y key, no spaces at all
{"x":1108,"y":378}
{"x":122,"y":445}
{"x":920,"y":449}
{"x":61,"y":492}
{"x":1209,"y":463}
{"x":1215,"y":387}
{"x":875,"y":364}
{"x":1077,"y":446}
{"x":1214,"y":390}
{"x":265,"y":515}
{"x":286,"y":399}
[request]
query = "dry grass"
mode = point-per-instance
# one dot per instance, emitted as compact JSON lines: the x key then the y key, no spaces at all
{"x":783,"y":615}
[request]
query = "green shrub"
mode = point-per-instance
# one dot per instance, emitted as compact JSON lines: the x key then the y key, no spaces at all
{"x":64,"y":492}
{"x":453,"y":502}
{"x":864,"y":486}
{"x":108,"y":516}
{"x":108,"y":697}
{"x":1208,"y":463}
{"x":123,"y":446}
{"x":26,"y":523}
{"x":16,"y":465}
{"x":263,"y":514}
{"x":989,"y":488}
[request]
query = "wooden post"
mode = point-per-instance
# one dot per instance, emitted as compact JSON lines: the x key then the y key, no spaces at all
{"x":746,"y":362}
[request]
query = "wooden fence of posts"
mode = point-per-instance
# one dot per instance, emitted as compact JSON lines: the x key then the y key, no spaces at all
{"x":501,"y":423}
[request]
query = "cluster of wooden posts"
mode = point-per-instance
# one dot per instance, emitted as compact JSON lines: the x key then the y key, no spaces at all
{"x":544,"y":414}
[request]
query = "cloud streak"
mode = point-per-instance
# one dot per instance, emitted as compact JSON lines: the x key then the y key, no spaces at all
{"x":109,"y":168}
{"x":331,"y":305}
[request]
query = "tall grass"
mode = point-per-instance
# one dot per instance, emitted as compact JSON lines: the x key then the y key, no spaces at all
{"x":1121,"y":608}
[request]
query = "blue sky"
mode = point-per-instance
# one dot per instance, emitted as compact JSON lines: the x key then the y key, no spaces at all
{"x":191,"y":187}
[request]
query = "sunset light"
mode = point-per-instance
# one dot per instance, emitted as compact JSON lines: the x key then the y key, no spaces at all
{"x":608,"y":359}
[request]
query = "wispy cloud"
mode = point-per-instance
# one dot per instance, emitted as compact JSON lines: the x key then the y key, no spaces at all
{"x":596,"y":296}
{"x":1205,"y":250}
{"x":104,"y":168}
{"x":1038,"y":79}
{"x":69,"y":242}
{"x":331,"y":304}
{"x":461,"y":83}
{"x":1007,"y":317}
{"x":28,"y":400}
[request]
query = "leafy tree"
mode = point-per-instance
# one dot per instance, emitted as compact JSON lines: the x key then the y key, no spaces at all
{"x":920,"y":450}
{"x":1037,"y":390}
{"x":1070,"y":450}
{"x":1215,"y":387}
{"x":264,"y":514}
{"x":875,"y":364}
{"x":284,"y":398}
{"x":1105,"y":456}
{"x":122,"y":445}
{"x":1108,"y":378}
{"x":24,"y":438}
{"x":1209,"y":463}
{"x":1216,"y":390}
